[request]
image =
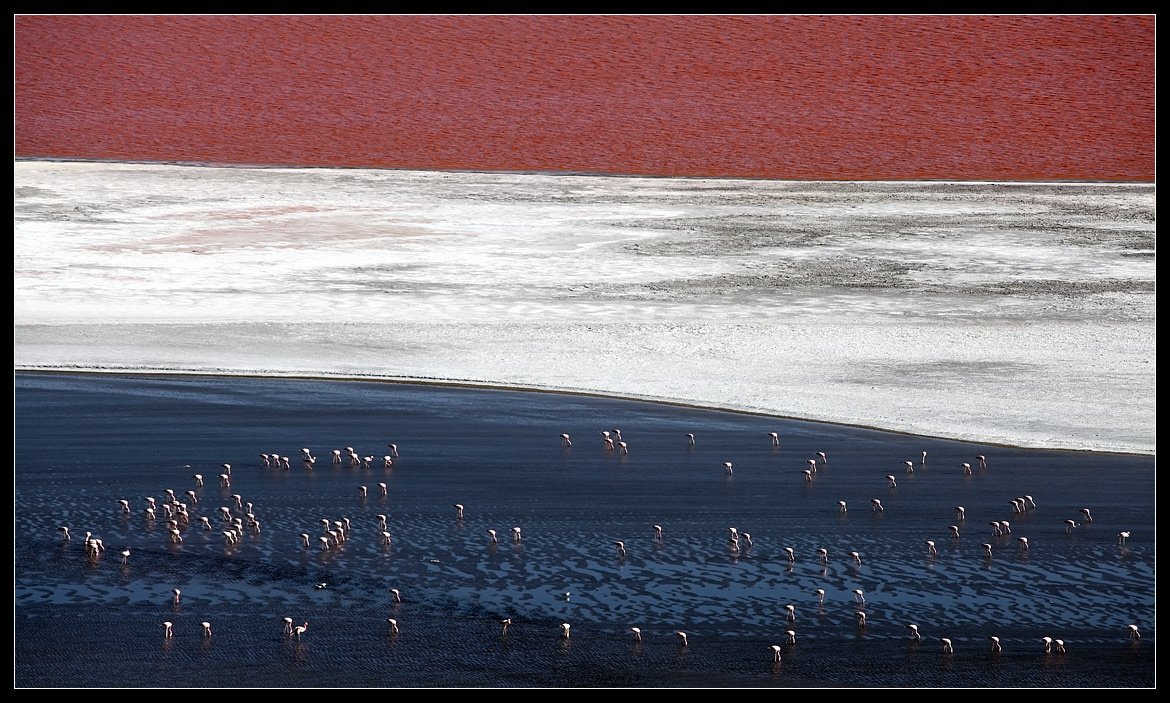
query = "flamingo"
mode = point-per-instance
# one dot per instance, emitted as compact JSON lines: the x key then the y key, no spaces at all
{"x":823,"y":555}
{"x":607,"y":440}
{"x":812,"y":465}
{"x":727,"y":467}
{"x":1058,"y":646}
{"x":946,"y":645}
{"x":807,"y":476}
{"x":960,"y":512}
{"x":125,"y":506}
{"x":1023,"y":543}
{"x":775,"y":652}
{"x":387,"y":539}
{"x":288,"y":626}
{"x":227,"y":468}
{"x":954,"y":530}
{"x":175,"y":593}
{"x":859,"y":596}
{"x":747,"y":538}
{"x":996,"y":531}
{"x":690,"y":439}
{"x":893,"y":483}
{"x":1031,"y":503}
{"x":791,"y":554}
{"x":841,"y":507}
{"x":305,"y":540}
{"x":966,"y":468}
{"x":820,"y":594}
{"x":393,"y":625}
{"x":1121,"y":537}
{"x":206,"y":629}
{"x":791,"y":612}
{"x":924,"y":458}
{"x":125,"y":555}
{"x":931,"y":549}
{"x":1134,"y":633}
{"x":791,"y":637}
{"x":637,"y":633}
{"x":492,"y":537}
{"x":397,"y":595}
{"x":504,"y":626}
{"x":1087,"y":514}
{"x":225,"y":481}
{"x":909,"y":466}
{"x":336,"y":456}
{"x":1069,"y":525}
{"x":64,"y":533}
{"x":264,"y":461}
{"x":1047,"y":645}
{"x":856,"y":557}
{"x":860,"y":618}
{"x":361,"y":491}
{"x":168,"y":632}
{"x":914,"y":632}
{"x":775,"y":439}
{"x":458,"y":511}
{"x":565,"y":440}
{"x":300,"y":629}
{"x":383,"y":489}
{"x":995,"y":646}
{"x":1005,"y":527}
{"x":987,"y":550}
{"x":982,"y":462}
{"x":387,"y":461}
{"x":658,"y":532}
{"x":565,"y":630}
{"x":393,"y":450}
{"x":682,"y":636}
{"x":623,"y":448}
{"x":823,"y":458}
{"x":877,"y":505}
{"x":621,"y":548}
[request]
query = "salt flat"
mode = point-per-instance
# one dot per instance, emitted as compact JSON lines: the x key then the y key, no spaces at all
{"x":1000,"y":313}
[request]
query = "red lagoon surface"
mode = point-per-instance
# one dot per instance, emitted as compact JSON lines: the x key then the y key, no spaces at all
{"x":788,"y":97}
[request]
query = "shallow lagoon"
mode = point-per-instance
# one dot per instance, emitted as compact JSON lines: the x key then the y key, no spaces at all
{"x":85,"y":441}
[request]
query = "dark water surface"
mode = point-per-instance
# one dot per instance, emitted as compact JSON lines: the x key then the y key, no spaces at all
{"x":85,"y":442}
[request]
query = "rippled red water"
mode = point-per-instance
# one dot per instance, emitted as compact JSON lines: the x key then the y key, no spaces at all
{"x":801,"y":97}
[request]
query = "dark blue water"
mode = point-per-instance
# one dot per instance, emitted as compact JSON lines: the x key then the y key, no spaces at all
{"x":85,"y":442}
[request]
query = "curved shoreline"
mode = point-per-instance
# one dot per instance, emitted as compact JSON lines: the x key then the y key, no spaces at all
{"x":498,"y":386}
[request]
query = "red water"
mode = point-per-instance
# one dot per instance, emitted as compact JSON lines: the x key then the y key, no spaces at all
{"x":830,"y":97}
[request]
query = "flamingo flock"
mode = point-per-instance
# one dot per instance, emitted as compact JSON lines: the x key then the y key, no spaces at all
{"x":240,"y":524}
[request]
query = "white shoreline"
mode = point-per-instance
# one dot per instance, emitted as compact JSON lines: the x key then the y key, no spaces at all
{"x":1015,"y":316}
